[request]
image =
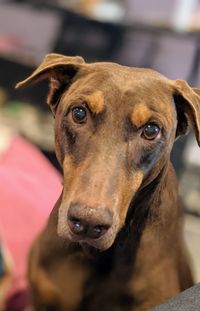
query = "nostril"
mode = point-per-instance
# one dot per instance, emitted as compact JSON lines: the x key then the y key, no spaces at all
{"x":97,"y":231}
{"x":76,"y":226}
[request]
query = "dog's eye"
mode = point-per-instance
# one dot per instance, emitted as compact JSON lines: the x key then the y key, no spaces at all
{"x":79,"y":114}
{"x":151,"y":131}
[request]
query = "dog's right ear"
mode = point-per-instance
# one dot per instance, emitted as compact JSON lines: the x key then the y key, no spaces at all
{"x":60,"y":70}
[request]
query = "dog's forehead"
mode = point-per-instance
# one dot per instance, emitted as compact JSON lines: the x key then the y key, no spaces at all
{"x":127,"y":80}
{"x":129,"y":85}
{"x":120,"y":71}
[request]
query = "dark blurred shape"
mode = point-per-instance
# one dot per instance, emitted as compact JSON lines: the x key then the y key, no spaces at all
{"x":188,"y":300}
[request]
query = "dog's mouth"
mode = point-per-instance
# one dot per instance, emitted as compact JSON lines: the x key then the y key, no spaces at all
{"x":102,"y":243}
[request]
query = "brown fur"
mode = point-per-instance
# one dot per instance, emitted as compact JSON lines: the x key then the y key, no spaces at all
{"x":110,"y":166}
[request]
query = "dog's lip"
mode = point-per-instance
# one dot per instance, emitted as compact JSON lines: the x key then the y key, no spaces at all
{"x":94,"y":243}
{"x":76,"y":238}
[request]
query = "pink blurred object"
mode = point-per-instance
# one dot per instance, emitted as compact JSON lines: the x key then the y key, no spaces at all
{"x":9,"y":43}
{"x":29,"y":188}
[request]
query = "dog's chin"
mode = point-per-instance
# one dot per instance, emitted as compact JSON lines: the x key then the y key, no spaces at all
{"x":101,"y":244}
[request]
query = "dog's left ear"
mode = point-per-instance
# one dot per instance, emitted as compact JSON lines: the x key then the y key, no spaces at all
{"x":187,"y":101}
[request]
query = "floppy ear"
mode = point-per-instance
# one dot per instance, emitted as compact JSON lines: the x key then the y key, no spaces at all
{"x":60,"y":70}
{"x":187,"y":102}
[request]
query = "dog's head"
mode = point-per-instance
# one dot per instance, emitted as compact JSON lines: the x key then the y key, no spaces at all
{"x":114,"y":130}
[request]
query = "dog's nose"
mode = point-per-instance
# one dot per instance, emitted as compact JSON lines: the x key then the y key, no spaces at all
{"x":87,"y":222}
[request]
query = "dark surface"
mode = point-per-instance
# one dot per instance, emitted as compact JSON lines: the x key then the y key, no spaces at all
{"x":189,"y":300}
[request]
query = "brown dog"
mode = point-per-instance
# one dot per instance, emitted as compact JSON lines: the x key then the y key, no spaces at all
{"x":113,"y":241}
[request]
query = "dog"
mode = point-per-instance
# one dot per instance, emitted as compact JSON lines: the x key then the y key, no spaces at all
{"x":113,"y":240}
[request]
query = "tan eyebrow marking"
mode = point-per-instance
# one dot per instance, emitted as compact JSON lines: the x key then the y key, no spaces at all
{"x":96,"y":101}
{"x":140,"y":115}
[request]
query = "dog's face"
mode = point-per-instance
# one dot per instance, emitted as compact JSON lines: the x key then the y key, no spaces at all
{"x":114,"y":130}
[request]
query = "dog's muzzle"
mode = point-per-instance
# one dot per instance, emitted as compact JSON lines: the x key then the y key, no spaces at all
{"x":95,"y":226}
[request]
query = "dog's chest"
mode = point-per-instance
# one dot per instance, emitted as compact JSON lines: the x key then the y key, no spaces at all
{"x":82,"y":288}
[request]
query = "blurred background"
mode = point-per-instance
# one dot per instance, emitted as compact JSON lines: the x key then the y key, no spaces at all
{"x":163,"y":35}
